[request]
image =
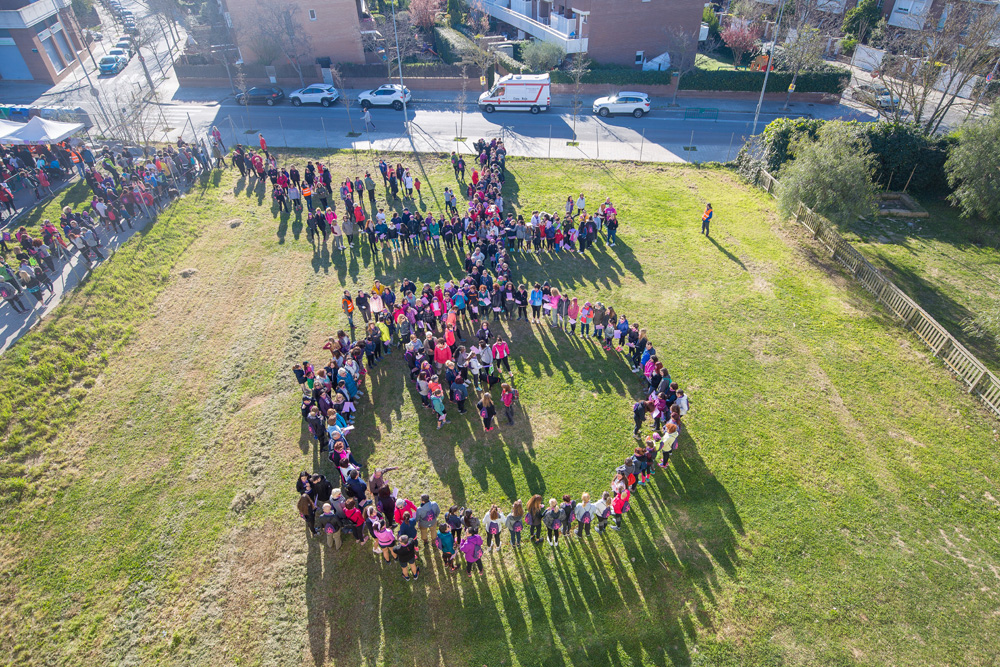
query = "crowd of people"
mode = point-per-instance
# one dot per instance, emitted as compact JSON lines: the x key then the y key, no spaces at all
{"x":124,"y":187}
{"x":482,"y":220}
{"x":455,"y":353}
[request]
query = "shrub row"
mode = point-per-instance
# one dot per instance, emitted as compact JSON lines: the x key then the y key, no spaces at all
{"x":743,"y":81}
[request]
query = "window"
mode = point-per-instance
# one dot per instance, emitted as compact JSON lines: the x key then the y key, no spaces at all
{"x":640,"y":56}
{"x":312,"y":14}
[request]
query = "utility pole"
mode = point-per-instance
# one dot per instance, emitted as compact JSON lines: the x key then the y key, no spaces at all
{"x":399,"y":64}
{"x":770,"y":66}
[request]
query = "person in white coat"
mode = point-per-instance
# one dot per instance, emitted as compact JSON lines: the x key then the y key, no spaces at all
{"x":493,"y":525}
{"x":586,"y":513}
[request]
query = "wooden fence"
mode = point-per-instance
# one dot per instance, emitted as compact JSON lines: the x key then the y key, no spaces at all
{"x":976,"y":378}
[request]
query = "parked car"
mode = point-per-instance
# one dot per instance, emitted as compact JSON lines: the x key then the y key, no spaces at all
{"x":117,"y":51}
{"x":875,"y":95}
{"x":131,"y":30}
{"x":112,"y":64}
{"x":268,"y":96}
{"x":636,"y":104}
{"x":388,"y":95}
{"x":126,"y":46}
{"x":315,"y":93}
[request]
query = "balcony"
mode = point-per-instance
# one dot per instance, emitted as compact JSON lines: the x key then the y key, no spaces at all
{"x":30,"y":14}
{"x":516,"y":13}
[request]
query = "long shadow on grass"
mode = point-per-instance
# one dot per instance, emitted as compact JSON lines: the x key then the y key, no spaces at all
{"x":636,"y":596}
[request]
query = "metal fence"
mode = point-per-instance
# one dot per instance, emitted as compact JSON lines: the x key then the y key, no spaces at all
{"x":976,"y":378}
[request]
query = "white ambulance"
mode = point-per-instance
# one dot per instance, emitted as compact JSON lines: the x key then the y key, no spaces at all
{"x":521,"y":92}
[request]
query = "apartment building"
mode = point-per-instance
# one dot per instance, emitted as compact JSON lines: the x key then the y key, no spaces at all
{"x":39,"y":40}
{"x":332,"y":27}
{"x":624,"y":32}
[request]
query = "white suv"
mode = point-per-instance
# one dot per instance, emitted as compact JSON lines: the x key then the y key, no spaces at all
{"x":636,"y":104}
{"x":316,"y":93}
{"x":389,"y":95}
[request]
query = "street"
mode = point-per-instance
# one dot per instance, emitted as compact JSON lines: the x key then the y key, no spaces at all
{"x":666,"y":134}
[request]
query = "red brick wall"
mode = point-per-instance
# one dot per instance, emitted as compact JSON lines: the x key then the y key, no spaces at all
{"x":619,"y":28}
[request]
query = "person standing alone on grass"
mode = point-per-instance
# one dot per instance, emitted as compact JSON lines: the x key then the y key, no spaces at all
{"x":706,"y":218}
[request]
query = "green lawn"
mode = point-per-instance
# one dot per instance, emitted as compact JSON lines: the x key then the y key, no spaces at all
{"x":950,"y":265}
{"x":713,"y":62}
{"x":831,"y":502}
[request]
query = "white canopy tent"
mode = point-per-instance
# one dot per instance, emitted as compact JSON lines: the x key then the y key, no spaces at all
{"x":8,"y":127}
{"x":40,"y":131}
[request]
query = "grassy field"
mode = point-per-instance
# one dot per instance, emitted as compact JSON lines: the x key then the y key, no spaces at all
{"x":832,"y":503}
{"x":951,"y":266}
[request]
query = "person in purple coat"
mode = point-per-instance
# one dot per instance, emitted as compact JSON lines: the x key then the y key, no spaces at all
{"x":472,"y":548}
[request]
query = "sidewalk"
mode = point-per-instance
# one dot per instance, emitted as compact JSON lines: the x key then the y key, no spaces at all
{"x":13,"y":325}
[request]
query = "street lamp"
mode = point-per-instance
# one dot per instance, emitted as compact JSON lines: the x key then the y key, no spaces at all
{"x":399,"y":64}
{"x":770,"y":65}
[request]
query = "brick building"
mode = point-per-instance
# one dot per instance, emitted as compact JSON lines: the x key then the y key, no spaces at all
{"x":622,"y":32}
{"x":332,"y":26}
{"x":39,"y":41}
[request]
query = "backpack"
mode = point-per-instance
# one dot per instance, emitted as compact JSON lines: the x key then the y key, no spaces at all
{"x":517,"y":525}
{"x":585,"y":518}
{"x":557,"y":525}
{"x":626,"y":507}
{"x":431,"y":516}
{"x":606,"y":513}
{"x":329,"y":529}
{"x":494,"y":528}
{"x":483,"y":413}
{"x":477,"y":552}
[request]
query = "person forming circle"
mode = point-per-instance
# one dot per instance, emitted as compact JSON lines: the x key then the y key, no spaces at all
{"x":706,"y":218}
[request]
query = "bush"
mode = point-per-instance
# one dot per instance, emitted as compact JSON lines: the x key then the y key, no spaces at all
{"x":831,"y":174}
{"x":974,"y":168}
{"x":708,"y":16}
{"x":542,"y":56}
{"x":898,"y":149}
{"x":848,"y":45}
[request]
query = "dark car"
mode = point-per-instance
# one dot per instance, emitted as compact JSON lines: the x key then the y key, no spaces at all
{"x":268,"y":96}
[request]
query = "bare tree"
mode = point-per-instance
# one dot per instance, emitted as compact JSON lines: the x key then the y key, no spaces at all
{"x":382,"y":40}
{"x":682,"y":47}
{"x":145,"y":39}
{"x":927,"y":70}
{"x":804,"y":51}
{"x":579,"y":66}
{"x":425,"y":12}
{"x":276,"y":32}
{"x":166,"y":11}
{"x":338,"y":81}
{"x":480,"y":53}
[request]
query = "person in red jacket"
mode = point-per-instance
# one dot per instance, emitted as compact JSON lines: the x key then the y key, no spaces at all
{"x":620,"y":504}
{"x":404,"y":505}
{"x":442,"y":354}
{"x":263,"y":144}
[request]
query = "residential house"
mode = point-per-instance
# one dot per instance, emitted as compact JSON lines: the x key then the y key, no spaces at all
{"x":623,"y":32}
{"x":39,"y":41}
{"x":333,"y":27}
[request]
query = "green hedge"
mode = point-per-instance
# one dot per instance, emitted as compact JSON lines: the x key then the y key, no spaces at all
{"x":445,"y":48}
{"x":617,"y":77}
{"x":743,"y":81}
{"x":899,"y":150}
